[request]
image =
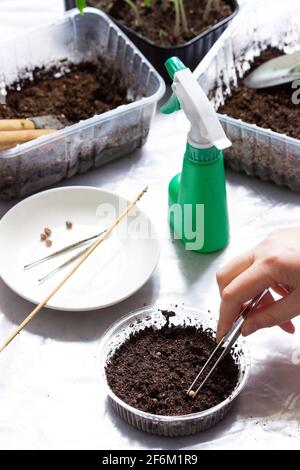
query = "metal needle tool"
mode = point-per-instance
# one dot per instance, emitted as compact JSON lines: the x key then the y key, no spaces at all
{"x":231,"y":338}
{"x":65,"y":264}
{"x":63,"y":250}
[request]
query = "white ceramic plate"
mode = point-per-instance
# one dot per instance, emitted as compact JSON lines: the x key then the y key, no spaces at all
{"x":117,"y":269}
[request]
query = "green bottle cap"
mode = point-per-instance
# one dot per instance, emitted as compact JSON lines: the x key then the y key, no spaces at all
{"x":205,"y":155}
{"x":173,"y":65}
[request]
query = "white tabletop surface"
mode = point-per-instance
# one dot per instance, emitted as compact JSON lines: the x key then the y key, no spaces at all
{"x":49,"y":388}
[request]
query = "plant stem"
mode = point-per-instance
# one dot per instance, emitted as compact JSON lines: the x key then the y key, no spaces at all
{"x":183,"y":16}
{"x":177,"y":18}
{"x":81,"y":5}
{"x":209,"y":4}
{"x":135,"y":10}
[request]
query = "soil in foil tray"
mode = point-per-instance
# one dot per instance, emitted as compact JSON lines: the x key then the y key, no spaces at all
{"x":153,"y":369}
{"x":71,"y":92}
{"x":157,"y":22}
{"x":270,"y":108}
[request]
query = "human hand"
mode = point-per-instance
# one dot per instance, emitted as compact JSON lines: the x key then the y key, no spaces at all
{"x":275,"y":264}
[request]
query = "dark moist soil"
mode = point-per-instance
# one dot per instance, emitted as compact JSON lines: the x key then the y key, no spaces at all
{"x":157,"y":23}
{"x":270,"y":108}
{"x":70,"y":92}
{"x":153,"y":369}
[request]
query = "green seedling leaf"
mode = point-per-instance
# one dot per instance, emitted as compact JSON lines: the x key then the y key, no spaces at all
{"x":81,"y":5}
{"x":162,"y":34}
{"x":148,"y":3}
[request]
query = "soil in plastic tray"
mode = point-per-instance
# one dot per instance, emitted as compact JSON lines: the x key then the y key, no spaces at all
{"x":70,"y":92}
{"x":157,"y":22}
{"x":153,"y":369}
{"x":270,"y":108}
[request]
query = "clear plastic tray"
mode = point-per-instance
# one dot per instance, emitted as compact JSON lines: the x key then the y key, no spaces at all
{"x":256,"y":151}
{"x":92,"y":142}
{"x":168,"y":426}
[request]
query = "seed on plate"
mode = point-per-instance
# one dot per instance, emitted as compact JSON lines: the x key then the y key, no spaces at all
{"x":48,"y":243}
{"x":69,"y":225}
{"x":47,"y":231}
{"x":43,"y":237}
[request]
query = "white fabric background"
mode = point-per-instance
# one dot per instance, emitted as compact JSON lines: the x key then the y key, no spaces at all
{"x":49,"y":389}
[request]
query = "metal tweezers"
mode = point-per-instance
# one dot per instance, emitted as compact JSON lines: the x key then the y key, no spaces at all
{"x":230,"y":339}
{"x":61,"y":252}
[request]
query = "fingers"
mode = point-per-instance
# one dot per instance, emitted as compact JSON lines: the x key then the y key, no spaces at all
{"x":234,"y":269}
{"x":267,"y":300}
{"x":242,"y":289}
{"x":288,"y":326}
{"x":281,"y":290}
{"x":278,"y":313}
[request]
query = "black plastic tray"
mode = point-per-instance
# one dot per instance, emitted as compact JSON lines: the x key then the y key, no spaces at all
{"x":191,"y":52}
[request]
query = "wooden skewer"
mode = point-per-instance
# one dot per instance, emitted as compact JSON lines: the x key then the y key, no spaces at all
{"x":77,"y":265}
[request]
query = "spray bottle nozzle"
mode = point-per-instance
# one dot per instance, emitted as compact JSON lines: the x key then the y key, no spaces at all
{"x":188,"y":95}
{"x":174,"y":65}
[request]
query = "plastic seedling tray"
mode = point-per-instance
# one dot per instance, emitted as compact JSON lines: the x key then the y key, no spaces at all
{"x":92,"y":142}
{"x":256,"y":151}
{"x":190,"y":52}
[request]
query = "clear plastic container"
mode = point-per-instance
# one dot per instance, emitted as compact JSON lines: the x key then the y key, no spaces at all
{"x":92,"y":142}
{"x":256,"y":151}
{"x":168,"y":426}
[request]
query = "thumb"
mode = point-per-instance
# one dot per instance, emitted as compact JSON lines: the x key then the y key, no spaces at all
{"x":276,"y":314}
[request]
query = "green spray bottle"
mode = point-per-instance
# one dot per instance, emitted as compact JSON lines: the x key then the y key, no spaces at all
{"x":198,"y":212}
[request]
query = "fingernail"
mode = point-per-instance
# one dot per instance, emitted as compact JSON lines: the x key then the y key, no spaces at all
{"x":249,"y":329}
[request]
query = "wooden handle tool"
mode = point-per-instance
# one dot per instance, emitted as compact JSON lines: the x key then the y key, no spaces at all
{"x":16,"y":124}
{"x":9,"y":139}
{"x":38,"y":122}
